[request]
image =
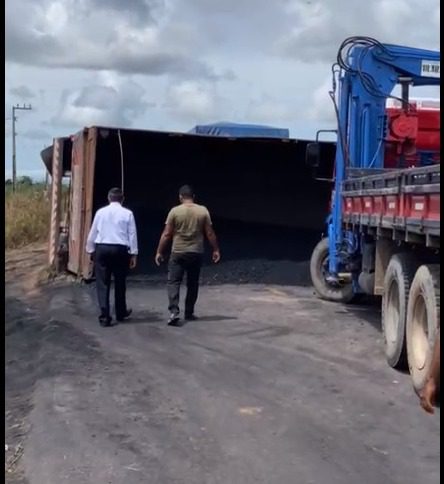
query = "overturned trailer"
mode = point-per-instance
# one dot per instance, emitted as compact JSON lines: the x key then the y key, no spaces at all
{"x":245,"y":176}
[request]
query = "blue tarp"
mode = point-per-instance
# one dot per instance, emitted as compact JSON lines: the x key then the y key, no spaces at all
{"x":235,"y":130}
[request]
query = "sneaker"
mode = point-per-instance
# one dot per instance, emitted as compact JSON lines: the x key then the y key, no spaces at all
{"x":173,"y":319}
{"x":105,"y":321}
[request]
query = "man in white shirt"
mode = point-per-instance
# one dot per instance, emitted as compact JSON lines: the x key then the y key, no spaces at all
{"x":112,"y":242}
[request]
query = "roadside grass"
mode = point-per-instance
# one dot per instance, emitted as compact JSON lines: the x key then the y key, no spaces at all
{"x":27,"y":214}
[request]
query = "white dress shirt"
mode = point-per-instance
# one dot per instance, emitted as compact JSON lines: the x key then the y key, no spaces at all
{"x":113,"y":224}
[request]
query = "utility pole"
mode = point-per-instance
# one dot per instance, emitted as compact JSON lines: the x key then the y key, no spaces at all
{"x":14,"y":155}
{"x":46,"y":181}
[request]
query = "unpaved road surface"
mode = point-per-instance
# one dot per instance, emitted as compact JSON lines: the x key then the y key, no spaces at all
{"x":270,"y":386}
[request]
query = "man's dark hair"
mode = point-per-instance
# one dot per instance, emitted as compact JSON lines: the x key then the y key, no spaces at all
{"x":115,"y":195}
{"x":186,"y":191}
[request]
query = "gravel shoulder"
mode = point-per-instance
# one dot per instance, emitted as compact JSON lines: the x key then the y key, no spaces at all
{"x":271,"y":385}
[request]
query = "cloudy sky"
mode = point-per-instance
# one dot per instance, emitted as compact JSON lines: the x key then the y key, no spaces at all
{"x":170,"y":64}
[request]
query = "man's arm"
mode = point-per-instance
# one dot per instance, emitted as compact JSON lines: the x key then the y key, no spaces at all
{"x":93,"y":232}
{"x":212,"y":239}
{"x":132,"y":237}
{"x":165,"y":239}
{"x":428,"y":394}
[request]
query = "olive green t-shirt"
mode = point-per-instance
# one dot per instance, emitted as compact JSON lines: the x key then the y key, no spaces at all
{"x":188,"y":221}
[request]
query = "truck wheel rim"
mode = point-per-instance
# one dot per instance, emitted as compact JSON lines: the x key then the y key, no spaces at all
{"x":391,"y":329}
{"x":324,"y":271}
{"x":420,"y":334}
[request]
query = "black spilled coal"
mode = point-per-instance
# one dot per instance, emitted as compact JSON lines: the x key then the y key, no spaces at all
{"x":251,"y":253}
{"x":267,"y":209}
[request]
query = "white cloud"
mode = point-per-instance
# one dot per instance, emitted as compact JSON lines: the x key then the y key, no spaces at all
{"x":172,"y":63}
{"x":97,"y":35}
{"x":192,"y":100}
{"x":111,"y":103}
{"x":22,"y":92}
{"x":269,"y":110}
{"x":320,"y":26}
{"x":55,"y":18}
{"x":321,"y":106}
{"x":38,"y":134}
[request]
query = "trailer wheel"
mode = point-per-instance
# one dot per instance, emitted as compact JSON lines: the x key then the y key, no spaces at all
{"x":318,"y":271}
{"x":423,"y":314}
{"x":397,"y":281}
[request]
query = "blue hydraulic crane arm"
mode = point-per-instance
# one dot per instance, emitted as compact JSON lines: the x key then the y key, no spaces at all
{"x":371,"y":75}
{"x":423,"y":66}
{"x":368,"y":73}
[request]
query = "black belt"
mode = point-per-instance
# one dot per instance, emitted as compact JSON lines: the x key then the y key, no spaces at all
{"x":112,"y":245}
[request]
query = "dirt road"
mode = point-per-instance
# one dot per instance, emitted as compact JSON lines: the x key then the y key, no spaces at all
{"x":270,"y":386}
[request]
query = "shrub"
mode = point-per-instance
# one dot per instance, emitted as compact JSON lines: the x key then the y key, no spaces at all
{"x":27,"y":213}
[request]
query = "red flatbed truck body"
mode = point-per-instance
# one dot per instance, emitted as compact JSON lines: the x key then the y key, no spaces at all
{"x":405,"y":203}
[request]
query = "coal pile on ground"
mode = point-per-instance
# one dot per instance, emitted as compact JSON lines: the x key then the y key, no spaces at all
{"x":251,"y":253}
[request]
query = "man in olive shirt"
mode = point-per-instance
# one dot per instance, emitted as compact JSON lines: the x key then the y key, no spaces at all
{"x":187,"y":225}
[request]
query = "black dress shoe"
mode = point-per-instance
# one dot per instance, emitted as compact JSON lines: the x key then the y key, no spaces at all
{"x":126,"y":316}
{"x":105,"y":321}
{"x":191,"y":317}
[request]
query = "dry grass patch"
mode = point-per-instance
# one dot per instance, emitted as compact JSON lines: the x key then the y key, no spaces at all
{"x":27,"y":213}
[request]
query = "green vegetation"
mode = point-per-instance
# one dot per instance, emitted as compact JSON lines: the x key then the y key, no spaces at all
{"x":27,"y":213}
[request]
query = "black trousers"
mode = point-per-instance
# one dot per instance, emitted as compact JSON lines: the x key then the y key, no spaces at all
{"x":111,"y":260}
{"x":179,"y":265}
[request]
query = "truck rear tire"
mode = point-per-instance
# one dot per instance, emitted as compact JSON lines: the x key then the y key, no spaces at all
{"x":397,"y":281}
{"x":423,"y":314}
{"x":318,"y":264}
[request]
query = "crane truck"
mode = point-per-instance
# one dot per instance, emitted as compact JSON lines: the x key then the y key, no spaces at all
{"x":383,"y":229}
